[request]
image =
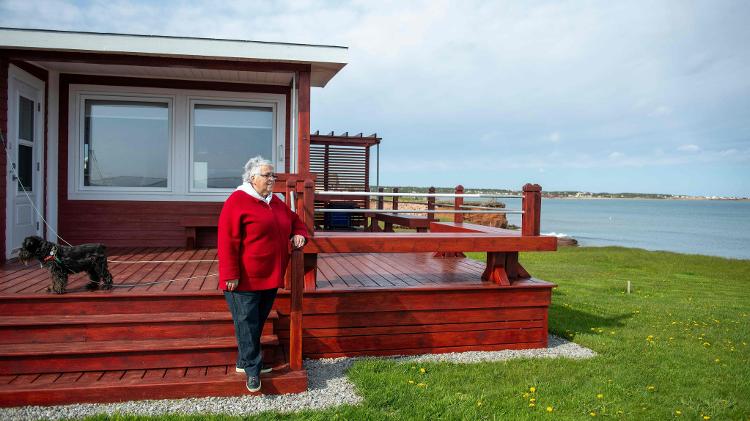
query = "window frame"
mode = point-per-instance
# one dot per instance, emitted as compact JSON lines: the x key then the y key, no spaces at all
{"x":192,"y":102}
{"x":179,"y":173}
{"x":81,"y":124}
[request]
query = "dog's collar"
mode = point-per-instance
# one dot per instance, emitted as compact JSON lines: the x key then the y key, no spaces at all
{"x":52,"y":255}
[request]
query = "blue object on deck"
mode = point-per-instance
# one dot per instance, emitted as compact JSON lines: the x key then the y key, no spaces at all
{"x":339,"y":220}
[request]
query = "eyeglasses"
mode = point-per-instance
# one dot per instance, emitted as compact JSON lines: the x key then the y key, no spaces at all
{"x":269,"y":175}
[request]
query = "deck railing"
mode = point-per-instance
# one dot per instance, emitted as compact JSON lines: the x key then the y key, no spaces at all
{"x":502,"y":259}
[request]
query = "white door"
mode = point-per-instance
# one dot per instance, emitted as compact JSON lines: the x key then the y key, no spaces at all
{"x":24,"y":143}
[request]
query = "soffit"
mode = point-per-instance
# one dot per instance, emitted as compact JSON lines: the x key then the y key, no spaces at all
{"x":183,"y":73}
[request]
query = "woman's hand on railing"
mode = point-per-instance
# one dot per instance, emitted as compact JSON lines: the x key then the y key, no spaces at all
{"x":298,"y":241}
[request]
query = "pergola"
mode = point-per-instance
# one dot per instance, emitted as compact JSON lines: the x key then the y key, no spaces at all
{"x":342,"y":163}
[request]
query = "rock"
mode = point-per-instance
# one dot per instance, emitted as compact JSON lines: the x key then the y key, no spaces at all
{"x":567,"y":241}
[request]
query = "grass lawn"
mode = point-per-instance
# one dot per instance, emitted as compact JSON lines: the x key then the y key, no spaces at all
{"x":676,"y":347}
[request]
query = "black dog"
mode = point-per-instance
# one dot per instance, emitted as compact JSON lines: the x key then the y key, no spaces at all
{"x":62,"y":261}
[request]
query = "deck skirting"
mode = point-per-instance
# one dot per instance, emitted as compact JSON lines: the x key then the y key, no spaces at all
{"x":422,"y":320}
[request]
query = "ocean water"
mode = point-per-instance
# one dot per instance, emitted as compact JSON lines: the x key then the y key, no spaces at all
{"x":711,"y":227}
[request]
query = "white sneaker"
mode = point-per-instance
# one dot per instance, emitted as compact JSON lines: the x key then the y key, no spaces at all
{"x":263,"y":370}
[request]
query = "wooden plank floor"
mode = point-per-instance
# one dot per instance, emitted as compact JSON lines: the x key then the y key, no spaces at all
{"x":158,"y":270}
{"x":395,"y":270}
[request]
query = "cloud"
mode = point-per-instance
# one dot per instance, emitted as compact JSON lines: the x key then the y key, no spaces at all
{"x":689,"y":148}
{"x":661,"y":110}
{"x":553,"y":137}
{"x":616,"y":155}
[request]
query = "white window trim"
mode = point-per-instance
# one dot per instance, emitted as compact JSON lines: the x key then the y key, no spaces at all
{"x":180,"y":160}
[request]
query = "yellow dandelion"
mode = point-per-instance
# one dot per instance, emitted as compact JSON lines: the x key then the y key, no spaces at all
{"x":612,"y":332}
{"x":599,"y":396}
{"x":422,"y":370}
{"x":532,"y":404}
{"x":706,"y":344}
{"x":479,"y":403}
{"x":526,"y":395}
{"x":592,"y":413}
{"x":422,"y":384}
{"x":532,"y":400}
{"x":532,"y":389}
{"x":650,"y":388}
{"x":550,"y":409}
{"x":717,"y":360}
{"x":677,"y":412}
{"x":411,"y":381}
{"x":706,"y":417}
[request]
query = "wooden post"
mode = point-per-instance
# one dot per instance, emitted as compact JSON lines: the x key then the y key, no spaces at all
{"x":295,"y":311}
{"x":532,"y":206}
{"x":431,"y":204}
{"x":388,"y":226}
{"x":326,"y":168}
{"x":496,"y":270}
{"x":309,"y":206}
{"x":303,"y":122}
{"x":374,"y":224}
{"x":457,"y":204}
{"x":289,"y":187}
{"x":311,"y":271}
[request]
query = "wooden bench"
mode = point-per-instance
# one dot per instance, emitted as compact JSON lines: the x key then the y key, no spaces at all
{"x":420,"y":223}
{"x":192,"y":223}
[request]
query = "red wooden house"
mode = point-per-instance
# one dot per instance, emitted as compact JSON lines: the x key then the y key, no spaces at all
{"x":135,"y":141}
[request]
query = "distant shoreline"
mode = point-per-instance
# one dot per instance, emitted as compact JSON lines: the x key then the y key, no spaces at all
{"x":695,"y":199}
{"x":567,"y":194}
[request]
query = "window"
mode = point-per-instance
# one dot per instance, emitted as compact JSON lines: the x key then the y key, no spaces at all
{"x":25,"y":144}
{"x":133,"y":143}
{"x":126,"y":144}
{"x":224,"y":137}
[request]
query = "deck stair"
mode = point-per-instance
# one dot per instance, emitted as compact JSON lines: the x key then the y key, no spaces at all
{"x":125,"y":348}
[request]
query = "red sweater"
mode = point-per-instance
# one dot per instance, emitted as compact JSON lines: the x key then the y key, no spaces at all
{"x":253,"y":241}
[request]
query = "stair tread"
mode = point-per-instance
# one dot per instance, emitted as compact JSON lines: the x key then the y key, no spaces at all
{"x":56,"y":320}
{"x":112,"y":386}
{"x":149,"y":345}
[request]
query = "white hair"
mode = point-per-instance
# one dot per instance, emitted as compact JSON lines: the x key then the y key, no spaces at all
{"x":253,"y":167}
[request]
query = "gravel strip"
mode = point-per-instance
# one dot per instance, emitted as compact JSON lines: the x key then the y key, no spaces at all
{"x":327,"y":386}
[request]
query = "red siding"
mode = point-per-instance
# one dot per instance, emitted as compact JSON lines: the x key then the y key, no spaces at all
{"x":128,"y":223}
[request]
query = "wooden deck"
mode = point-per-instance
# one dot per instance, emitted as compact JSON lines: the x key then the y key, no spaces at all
{"x":149,"y":270}
{"x":164,"y":330}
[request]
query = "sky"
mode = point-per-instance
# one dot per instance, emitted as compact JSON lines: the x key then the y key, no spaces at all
{"x":598,"y":96}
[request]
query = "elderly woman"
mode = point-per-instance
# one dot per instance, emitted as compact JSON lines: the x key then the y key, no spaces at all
{"x":255,"y":229}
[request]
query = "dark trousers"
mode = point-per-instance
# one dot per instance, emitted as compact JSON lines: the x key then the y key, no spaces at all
{"x":249,"y":311}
